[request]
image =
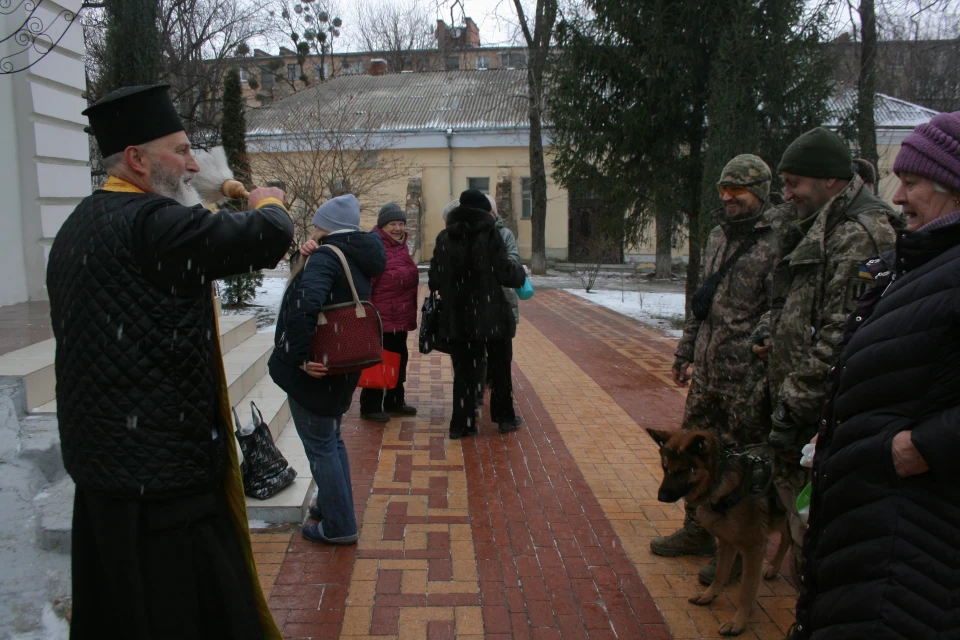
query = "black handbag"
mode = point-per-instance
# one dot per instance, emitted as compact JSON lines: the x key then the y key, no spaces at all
{"x":702,"y":298}
{"x":265,"y":471}
{"x":430,"y":326}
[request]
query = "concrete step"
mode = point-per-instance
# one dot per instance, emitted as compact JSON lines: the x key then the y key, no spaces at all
{"x":54,"y":513}
{"x":40,"y":444}
{"x":290,"y":505}
{"x":35,"y":363}
{"x":272,"y":402}
{"x":246,"y":365}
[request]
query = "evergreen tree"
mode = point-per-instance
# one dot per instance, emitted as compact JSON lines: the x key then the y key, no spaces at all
{"x":233,"y":128}
{"x":132,"y":44}
{"x":649,"y":101}
{"x":241,"y":289}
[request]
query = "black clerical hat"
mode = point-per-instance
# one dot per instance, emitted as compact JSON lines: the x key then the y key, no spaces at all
{"x":131,"y":116}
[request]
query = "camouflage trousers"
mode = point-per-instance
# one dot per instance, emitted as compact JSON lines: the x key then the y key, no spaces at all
{"x":789,"y":483}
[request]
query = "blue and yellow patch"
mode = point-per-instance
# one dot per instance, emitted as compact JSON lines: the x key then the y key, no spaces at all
{"x":865,"y":273}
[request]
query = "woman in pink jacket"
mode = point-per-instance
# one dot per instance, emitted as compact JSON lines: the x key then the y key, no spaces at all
{"x":394,"y":294}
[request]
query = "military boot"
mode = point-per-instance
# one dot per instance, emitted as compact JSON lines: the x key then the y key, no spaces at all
{"x":710,"y":569}
{"x":691,"y":540}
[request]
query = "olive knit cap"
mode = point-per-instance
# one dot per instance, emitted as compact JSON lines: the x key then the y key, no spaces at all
{"x":748,"y":171}
{"x":818,"y":153}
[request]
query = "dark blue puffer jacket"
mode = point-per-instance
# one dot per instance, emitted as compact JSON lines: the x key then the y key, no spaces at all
{"x":321,"y":283}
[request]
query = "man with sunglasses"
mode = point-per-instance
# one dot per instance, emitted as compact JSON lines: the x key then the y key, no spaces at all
{"x":739,"y":259}
{"x":840,"y":224}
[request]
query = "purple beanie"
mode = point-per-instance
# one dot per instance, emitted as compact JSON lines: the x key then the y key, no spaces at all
{"x":933,"y":151}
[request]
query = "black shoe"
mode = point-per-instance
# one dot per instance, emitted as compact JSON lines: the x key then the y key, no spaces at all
{"x":507,"y":427}
{"x":470,"y":431}
{"x":315,"y":512}
{"x":455,"y":434}
{"x":379,"y":416}
{"x":403,"y":410}
{"x":518,"y":421}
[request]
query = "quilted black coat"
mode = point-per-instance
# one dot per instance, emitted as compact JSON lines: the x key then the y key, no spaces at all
{"x":129,"y":280}
{"x":320,"y":283}
{"x":469,"y":267}
{"x":882,"y":553}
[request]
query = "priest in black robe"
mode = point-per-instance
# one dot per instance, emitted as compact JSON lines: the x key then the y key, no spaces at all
{"x":160,"y":545}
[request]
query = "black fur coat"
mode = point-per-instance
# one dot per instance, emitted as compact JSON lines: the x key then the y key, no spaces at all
{"x":468,"y":268}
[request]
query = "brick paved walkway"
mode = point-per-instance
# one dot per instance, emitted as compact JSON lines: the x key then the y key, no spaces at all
{"x":543,"y":533}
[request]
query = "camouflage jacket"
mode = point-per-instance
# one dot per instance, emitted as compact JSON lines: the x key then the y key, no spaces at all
{"x":719,"y":346}
{"x":815,"y":286}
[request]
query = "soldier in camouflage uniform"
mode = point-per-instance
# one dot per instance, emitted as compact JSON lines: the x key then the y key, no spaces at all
{"x":718,"y":345}
{"x":840,"y":225}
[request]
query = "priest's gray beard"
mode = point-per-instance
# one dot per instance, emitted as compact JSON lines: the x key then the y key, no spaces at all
{"x":178,"y":187}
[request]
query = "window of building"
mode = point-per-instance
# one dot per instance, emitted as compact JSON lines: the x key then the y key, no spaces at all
{"x":513,"y":59}
{"x":267,"y":79}
{"x":294,"y":71}
{"x":352,"y":67}
{"x":318,"y":72}
{"x":480,"y":184}
{"x":483,"y":62}
{"x":526,"y":199}
{"x":453,"y":63}
{"x":243,"y":74}
{"x":369,"y":159}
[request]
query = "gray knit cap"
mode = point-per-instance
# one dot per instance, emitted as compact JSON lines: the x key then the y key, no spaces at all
{"x":338,"y":214}
{"x":390,"y":212}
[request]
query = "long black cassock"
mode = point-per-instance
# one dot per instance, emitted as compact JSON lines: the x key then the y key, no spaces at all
{"x":160,"y":541}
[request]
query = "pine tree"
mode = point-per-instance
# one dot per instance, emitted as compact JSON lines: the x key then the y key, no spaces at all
{"x":241,"y":289}
{"x":233,"y":127}
{"x":648,"y":102}
{"x":132,"y":47}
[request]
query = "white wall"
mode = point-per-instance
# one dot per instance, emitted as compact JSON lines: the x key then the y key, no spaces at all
{"x":44,"y":155}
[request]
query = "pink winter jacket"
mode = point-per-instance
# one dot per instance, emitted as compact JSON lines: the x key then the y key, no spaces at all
{"x":394,"y":292}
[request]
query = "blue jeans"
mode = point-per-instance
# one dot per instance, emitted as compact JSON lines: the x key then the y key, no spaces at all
{"x":330,"y":468}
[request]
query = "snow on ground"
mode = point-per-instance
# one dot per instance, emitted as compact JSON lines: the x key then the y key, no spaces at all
{"x":665,"y":311}
{"x":265,"y":305}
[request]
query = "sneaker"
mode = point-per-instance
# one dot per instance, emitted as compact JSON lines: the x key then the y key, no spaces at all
{"x":315,"y":512}
{"x":379,"y":416}
{"x":684,"y":542}
{"x":314,"y":533}
{"x":404,"y":410}
{"x":710,"y":569}
{"x":507,"y":427}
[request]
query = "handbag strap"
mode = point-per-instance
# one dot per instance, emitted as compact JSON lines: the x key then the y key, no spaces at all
{"x":361,"y":312}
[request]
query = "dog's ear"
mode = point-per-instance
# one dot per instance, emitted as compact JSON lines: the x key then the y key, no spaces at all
{"x":660,"y":436}
{"x":697,"y":445}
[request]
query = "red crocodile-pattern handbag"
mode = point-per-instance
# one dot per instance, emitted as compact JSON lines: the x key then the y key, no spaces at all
{"x":349,"y":337}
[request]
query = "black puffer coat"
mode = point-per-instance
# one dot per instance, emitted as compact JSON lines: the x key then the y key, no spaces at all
{"x":469,"y":266}
{"x":882,"y":553}
{"x":129,"y":279}
{"x":322,"y":282}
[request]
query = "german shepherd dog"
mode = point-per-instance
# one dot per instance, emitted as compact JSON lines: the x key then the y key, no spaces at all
{"x":700,"y":468}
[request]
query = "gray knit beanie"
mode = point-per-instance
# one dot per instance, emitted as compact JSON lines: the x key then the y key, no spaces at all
{"x":390,"y":212}
{"x":338,"y":214}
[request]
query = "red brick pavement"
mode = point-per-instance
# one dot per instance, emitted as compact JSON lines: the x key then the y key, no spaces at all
{"x":507,"y":536}
{"x":550,"y":563}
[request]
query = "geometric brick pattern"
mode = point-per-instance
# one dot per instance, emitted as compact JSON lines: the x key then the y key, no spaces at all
{"x":605,"y":404}
{"x":542,"y":533}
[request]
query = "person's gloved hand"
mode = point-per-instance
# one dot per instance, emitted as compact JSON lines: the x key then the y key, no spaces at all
{"x":783,"y":435}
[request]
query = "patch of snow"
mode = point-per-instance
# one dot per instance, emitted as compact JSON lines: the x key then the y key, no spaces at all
{"x":659,"y":310}
{"x":54,"y":627}
{"x":265,"y":305}
{"x":257,"y":524}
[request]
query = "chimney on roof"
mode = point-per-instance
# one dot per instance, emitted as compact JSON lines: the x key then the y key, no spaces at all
{"x":378,"y":67}
{"x":471,"y":36}
{"x":260,"y":53}
{"x":441,"y":33}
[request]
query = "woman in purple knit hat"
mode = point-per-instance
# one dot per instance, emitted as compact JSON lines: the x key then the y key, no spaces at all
{"x":881,"y":557}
